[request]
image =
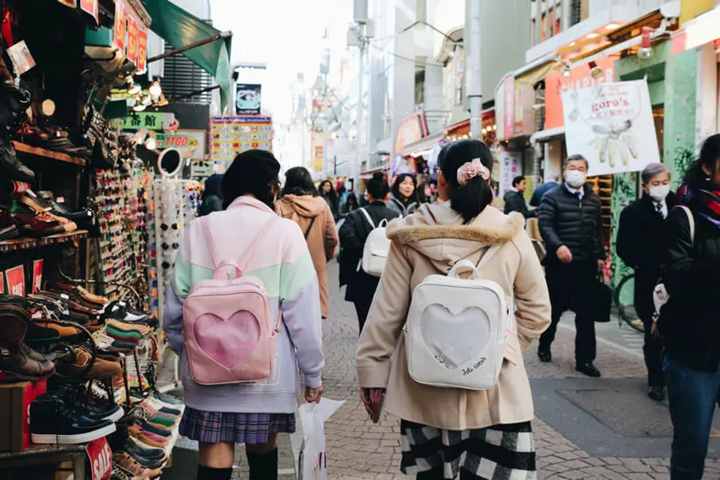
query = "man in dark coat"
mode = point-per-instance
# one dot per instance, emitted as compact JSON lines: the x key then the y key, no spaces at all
{"x":641,"y":245}
{"x":570,"y":225}
{"x":353,"y":234}
{"x":515,"y":198}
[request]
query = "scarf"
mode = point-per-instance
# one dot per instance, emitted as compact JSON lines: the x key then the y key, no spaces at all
{"x":704,"y":202}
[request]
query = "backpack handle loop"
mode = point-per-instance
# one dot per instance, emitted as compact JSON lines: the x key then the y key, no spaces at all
{"x":464,"y":266}
{"x":227,"y":271}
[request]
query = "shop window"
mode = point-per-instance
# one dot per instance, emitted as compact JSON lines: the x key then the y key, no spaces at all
{"x":420,"y":87}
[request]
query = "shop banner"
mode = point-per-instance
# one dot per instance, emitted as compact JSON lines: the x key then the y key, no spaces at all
{"x":100,"y":458}
{"x":142,"y":50}
{"x":91,"y":7}
{"x":190,"y":143}
{"x":505,"y":108}
{"x":37,"y":276}
{"x":15,"y":278}
{"x":158,"y":121}
{"x":120,"y":27}
{"x":580,"y":77}
{"x":612,"y":126}
{"x":412,"y":128}
{"x":232,"y":135}
{"x":248,"y":98}
{"x":510,"y":167}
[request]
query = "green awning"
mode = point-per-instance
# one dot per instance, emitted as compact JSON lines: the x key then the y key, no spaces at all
{"x":181,"y":29}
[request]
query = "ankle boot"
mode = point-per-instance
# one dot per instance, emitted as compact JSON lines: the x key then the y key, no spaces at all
{"x":263,"y":466}
{"x":208,"y":473}
{"x":14,"y":319}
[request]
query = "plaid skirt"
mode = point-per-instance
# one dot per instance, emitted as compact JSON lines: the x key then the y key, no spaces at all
{"x":227,"y":427}
{"x":493,"y":453}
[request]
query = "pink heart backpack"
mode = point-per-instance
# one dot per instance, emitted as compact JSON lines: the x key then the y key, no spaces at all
{"x":229,"y":332}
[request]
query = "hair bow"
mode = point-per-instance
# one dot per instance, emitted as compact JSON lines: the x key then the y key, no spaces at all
{"x":472,"y":169}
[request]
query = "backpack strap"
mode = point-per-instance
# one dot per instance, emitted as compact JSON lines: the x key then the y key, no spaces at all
{"x":217,"y":263}
{"x":691,"y":222}
{"x":307,"y":232}
{"x":369,"y":218}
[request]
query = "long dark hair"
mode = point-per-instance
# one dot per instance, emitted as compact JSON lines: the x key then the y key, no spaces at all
{"x":332,"y":195}
{"x":298,"y":181}
{"x":468,"y":200}
{"x":396,"y":188}
{"x":709,"y":158}
{"x":253,"y":172}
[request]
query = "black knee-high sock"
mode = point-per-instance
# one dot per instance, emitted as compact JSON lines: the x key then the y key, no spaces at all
{"x":209,"y":473}
{"x":263,"y":466}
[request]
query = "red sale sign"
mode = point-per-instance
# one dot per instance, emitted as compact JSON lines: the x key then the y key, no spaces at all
{"x":2,"y":283}
{"x":100,"y":457}
{"x":37,"y":275}
{"x":16,"y":280}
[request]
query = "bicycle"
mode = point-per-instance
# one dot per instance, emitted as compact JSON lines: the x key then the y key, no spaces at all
{"x":625,"y":302}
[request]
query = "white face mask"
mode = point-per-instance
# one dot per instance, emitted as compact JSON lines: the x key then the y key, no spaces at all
{"x":659,"y":193}
{"x":575,"y":178}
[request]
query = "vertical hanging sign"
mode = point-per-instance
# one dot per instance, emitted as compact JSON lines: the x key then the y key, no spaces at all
{"x":120,"y":28}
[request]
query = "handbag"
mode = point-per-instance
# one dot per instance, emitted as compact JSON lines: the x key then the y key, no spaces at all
{"x":599,"y":301}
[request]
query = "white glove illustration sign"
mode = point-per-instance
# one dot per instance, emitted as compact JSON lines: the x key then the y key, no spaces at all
{"x":612,"y":126}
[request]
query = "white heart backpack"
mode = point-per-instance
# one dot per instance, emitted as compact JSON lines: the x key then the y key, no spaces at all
{"x":377,"y":247}
{"x":456,"y":330}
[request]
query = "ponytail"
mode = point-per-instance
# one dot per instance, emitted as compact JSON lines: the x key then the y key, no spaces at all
{"x":468,"y":200}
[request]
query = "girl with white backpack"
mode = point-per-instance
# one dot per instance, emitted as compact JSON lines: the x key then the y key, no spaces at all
{"x":461,"y":296}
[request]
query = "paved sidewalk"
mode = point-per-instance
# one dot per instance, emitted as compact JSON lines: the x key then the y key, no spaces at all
{"x":585,"y":411}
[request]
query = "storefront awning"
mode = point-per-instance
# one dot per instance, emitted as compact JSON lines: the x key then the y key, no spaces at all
{"x":424,"y":146}
{"x":547,"y":135}
{"x":210,"y":47}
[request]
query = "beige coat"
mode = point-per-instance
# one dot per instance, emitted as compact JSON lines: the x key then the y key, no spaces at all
{"x":429,"y":242}
{"x":316,"y":221}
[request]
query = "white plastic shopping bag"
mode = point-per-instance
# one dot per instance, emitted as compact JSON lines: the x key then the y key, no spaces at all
{"x":313,"y":457}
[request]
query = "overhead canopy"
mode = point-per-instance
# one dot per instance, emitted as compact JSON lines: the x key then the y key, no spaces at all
{"x":182,"y":29}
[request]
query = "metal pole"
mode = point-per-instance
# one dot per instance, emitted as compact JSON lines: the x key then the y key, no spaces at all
{"x":190,"y":46}
{"x":474,"y":63}
{"x":361,"y":75}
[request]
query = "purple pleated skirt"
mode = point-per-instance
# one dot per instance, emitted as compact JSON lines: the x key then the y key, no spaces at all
{"x":227,"y":427}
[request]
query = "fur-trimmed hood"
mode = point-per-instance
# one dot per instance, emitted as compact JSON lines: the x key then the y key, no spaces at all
{"x":437,"y":232}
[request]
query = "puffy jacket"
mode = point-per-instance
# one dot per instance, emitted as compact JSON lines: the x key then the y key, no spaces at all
{"x":576,"y":224}
{"x":353,"y":234}
{"x":689,"y":322}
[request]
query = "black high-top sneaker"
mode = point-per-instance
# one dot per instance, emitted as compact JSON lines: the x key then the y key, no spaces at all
{"x":53,"y":421}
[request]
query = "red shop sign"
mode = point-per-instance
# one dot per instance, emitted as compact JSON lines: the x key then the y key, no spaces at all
{"x":16,"y":281}
{"x":120,"y":28}
{"x":37,"y":275}
{"x":100,"y":457}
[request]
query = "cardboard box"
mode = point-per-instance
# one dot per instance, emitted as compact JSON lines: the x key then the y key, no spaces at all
{"x":15,"y":400}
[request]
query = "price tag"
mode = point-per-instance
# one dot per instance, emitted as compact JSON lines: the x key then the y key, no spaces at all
{"x":21,"y":57}
{"x":16,"y":280}
{"x":37,"y":275}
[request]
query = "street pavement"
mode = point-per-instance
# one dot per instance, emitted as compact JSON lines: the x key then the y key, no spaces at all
{"x":585,"y":428}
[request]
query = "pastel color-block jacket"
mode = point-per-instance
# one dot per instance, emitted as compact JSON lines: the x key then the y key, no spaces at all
{"x":280,"y":260}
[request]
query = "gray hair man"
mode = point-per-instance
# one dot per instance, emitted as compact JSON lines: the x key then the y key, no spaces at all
{"x":571,"y":227}
{"x":641,"y":245}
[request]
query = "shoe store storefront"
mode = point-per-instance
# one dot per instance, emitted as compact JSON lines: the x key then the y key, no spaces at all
{"x":91,"y":216}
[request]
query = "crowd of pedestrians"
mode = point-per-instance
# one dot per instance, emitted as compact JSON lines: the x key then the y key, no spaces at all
{"x":396,"y":252}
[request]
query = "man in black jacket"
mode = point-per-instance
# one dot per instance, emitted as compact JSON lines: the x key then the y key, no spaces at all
{"x":641,"y":243}
{"x":515,"y":198}
{"x":353,"y":234}
{"x":570,"y":225}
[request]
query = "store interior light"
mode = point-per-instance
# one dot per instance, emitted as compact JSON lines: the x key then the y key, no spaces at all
{"x":592,"y":35}
{"x":595,"y":71}
{"x":645,"y":50}
{"x":612,"y":26}
{"x":48,"y":107}
{"x":155,"y":91}
{"x":567,"y":70}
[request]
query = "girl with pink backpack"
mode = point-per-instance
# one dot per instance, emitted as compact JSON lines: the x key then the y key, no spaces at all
{"x":245,"y":316}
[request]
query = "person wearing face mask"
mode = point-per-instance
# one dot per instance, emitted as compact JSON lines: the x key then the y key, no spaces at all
{"x":689,"y":321}
{"x":641,"y":245}
{"x":570,"y":225}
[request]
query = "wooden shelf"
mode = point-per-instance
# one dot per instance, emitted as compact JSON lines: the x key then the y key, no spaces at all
{"x":31,"y":243}
{"x":49,"y":154}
